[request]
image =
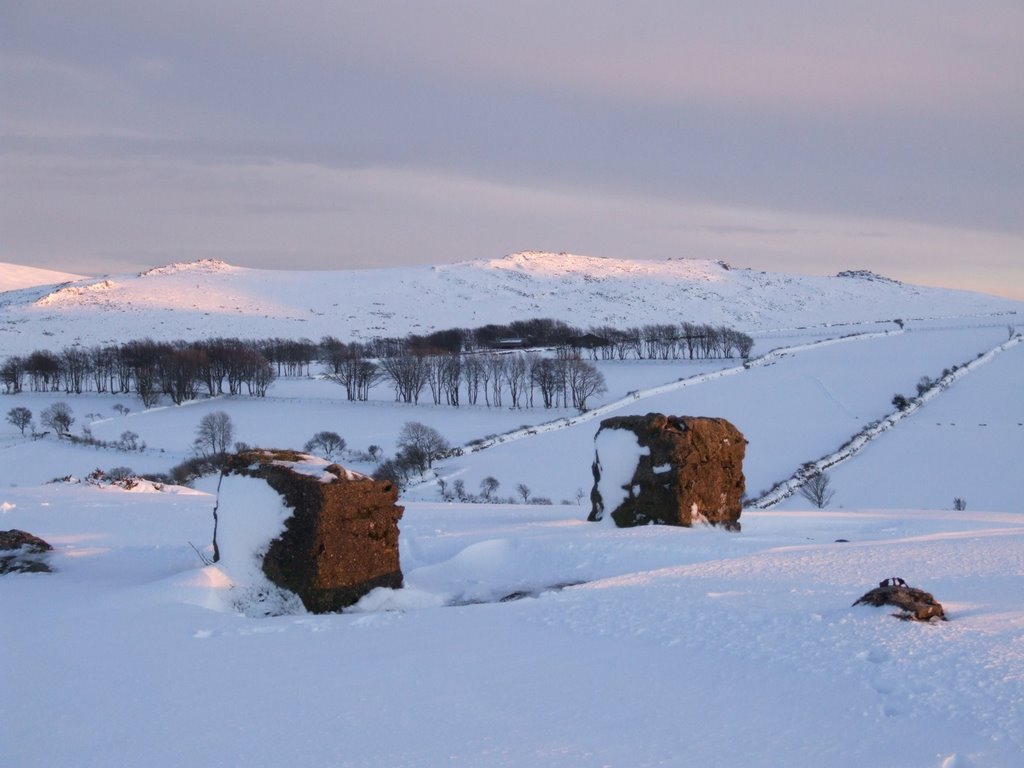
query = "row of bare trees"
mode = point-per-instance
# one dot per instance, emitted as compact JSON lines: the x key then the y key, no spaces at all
{"x":454,"y":365}
{"x":149,"y":369}
{"x":495,"y":379}
{"x":692,"y":341}
{"x":666,"y":341}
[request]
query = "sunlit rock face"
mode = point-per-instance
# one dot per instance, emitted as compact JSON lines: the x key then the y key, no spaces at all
{"x":340,"y":532}
{"x":668,"y":470}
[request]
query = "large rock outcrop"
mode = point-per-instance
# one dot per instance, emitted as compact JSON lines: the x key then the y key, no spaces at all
{"x":340,"y":528}
{"x":668,"y":470}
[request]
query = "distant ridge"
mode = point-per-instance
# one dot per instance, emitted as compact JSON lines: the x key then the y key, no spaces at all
{"x":14,"y":277}
{"x":212,"y":298}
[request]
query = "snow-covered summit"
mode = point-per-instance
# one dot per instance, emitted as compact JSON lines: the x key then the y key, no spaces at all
{"x":597,"y":268}
{"x":201,"y":266}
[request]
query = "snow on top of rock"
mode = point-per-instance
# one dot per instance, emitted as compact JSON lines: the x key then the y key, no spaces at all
{"x":544,"y":264}
{"x":867,"y":274}
{"x":316,"y":467}
{"x":202,"y":266}
{"x":72,"y":292}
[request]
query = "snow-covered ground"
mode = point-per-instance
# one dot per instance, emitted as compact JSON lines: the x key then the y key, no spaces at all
{"x":646,"y":647}
{"x":680,"y":647}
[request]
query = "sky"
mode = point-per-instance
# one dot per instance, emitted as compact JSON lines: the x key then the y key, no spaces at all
{"x":802,"y":137}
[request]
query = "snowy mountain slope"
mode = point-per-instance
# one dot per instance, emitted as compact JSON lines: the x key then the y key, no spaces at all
{"x":213,"y":298}
{"x":14,"y":277}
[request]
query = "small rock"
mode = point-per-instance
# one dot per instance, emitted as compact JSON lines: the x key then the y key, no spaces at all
{"x":21,"y":552}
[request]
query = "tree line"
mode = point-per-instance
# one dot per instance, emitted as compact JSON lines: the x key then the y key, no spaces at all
{"x":180,"y":370}
{"x":496,"y":365}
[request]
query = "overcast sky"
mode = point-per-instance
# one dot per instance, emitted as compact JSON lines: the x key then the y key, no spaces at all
{"x":793,"y":136}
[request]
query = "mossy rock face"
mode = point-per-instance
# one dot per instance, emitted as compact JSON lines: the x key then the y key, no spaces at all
{"x":688,"y":470}
{"x":341,"y":539}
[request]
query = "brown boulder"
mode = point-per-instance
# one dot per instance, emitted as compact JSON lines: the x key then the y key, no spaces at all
{"x":341,"y":539}
{"x":668,"y":470}
{"x":21,"y":552}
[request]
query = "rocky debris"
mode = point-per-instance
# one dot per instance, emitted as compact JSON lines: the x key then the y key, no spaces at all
{"x":21,"y":552}
{"x":914,"y":604}
{"x":341,"y":539}
{"x":668,"y":470}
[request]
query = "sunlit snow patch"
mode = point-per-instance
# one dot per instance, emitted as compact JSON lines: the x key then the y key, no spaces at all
{"x":250,"y":514}
{"x":617,"y":454}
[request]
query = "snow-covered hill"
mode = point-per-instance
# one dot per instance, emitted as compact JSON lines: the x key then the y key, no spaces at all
{"x":210,"y":297}
{"x":14,"y":277}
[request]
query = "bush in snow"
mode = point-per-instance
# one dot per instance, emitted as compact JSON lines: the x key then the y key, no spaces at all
{"x":900,"y":402}
{"x":129,"y":441}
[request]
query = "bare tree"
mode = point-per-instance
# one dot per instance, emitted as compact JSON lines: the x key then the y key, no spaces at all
{"x":523,"y":490}
{"x":472,"y":372}
{"x":19,"y":417}
{"x":548,"y":376}
{"x":496,"y":365}
{"x":516,"y":375}
{"x":421,"y":440}
{"x":214,"y":433}
{"x":408,"y":374}
{"x":959,"y":503}
{"x":12,"y":372}
{"x":817,"y":490}
{"x":326,"y":444}
{"x":584,"y":382}
{"x":488,"y":486}
{"x":58,"y":418}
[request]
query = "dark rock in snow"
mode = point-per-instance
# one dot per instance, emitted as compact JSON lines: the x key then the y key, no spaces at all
{"x":21,"y":552}
{"x":675,"y":470}
{"x":341,"y":539}
{"x":915,"y":604}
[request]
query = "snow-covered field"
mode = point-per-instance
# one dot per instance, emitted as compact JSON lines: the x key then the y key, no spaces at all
{"x":643,"y":647}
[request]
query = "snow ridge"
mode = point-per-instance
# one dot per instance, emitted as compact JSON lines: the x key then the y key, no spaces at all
{"x":192,"y":300}
{"x":200,"y":266}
